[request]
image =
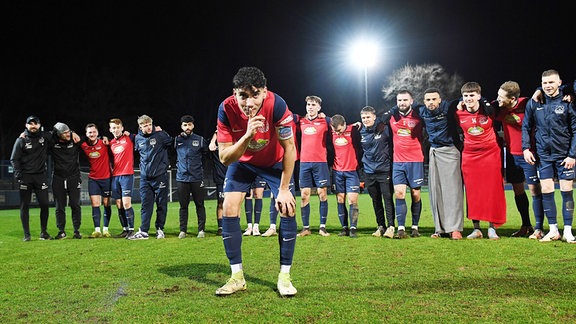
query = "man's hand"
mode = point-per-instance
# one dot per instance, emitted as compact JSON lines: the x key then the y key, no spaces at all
{"x":75,"y":137}
{"x":529,"y":157}
{"x":212,"y":146}
{"x":253,"y":124}
{"x":537,"y":96}
{"x":286,"y":203}
{"x":568,"y":163}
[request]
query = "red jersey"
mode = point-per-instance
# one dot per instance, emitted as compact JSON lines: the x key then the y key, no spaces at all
{"x":123,"y":153}
{"x":512,"y":126}
{"x":99,"y":159}
{"x":477,"y":129}
{"x":345,"y":158}
{"x":407,"y":137}
{"x":264,"y":149}
{"x":313,"y":140}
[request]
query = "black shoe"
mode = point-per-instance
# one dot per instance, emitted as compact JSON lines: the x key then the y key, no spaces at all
{"x":77,"y":235}
{"x":219,"y":232}
{"x":45,"y":236}
{"x":401,"y":234}
{"x":353,"y":233}
{"x":128,"y":234}
{"x":122,"y":235}
{"x":61,"y":235}
{"x":26,"y":238}
{"x":344,"y":232}
{"x":524,"y":231}
{"x":415,"y":233}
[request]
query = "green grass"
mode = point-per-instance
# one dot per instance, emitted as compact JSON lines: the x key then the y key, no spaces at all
{"x":339,"y":279}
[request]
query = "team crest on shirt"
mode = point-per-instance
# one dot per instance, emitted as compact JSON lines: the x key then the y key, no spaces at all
{"x":483,"y":120}
{"x":559,"y":110}
{"x":310,"y":131}
{"x":264,"y":129}
{"x":340,"y":141}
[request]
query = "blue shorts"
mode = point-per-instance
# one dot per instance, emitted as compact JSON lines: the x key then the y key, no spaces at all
{"x":518,"y":170}
{"x":122,"y":186}
{"x":549,"y":169}
{"x":408,"y":173}
{"x":314,"y":175}
{"x":240,"y":176}
{"x":259,"y":182}
{"x":100,"y":187}
{"x":346,"y":181}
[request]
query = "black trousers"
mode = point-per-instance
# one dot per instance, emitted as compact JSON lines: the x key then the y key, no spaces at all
{"x":196,"y":190}
{"x":67,"y":191}
{"x":380,"y":188}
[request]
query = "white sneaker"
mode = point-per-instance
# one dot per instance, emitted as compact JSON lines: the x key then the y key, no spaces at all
{"x":270,"y":232}
{"x":159,"y":234}
{"x":256,"y":231}
{"x":234,"y":284}
{"x":201,"y":234}
{"x":182,"y":235}
{"x":551,"y":236}
{"x":389,"y":232}
{"x":248,"y":231}
{"x":138,"y":236}
{"x":568,"y":237}
{"x":285,"y":287}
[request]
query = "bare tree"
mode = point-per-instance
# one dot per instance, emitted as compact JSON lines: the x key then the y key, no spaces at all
{"x":418,"y":78}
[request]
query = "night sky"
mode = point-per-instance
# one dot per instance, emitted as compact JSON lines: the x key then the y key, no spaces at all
{"x":88,"y":61}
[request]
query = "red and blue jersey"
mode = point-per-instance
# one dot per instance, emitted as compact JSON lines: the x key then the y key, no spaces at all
{"x":264,"y":149}
{"x":407,"y":137}
{"x":123,"y":154}
{"x":98,"y":158}
{"x":314,"y":134}
{"x":345,"y":150}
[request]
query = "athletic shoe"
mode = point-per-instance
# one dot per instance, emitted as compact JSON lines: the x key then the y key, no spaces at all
{"x":182,"y":235}
{"x":234,"y":284}
{"x":256,"y":231}
{"x":389,"y":232}
{"x":492,"y":234}
{"x":106,"y":234}
{"x":415,"y":233}
{"x":138,"y":236}
{"x":456,"y":235}
{"x":571,"y":241}
{"x":77,"y":235}
{"x":568,"y":238}
{"x":323,"y":232}
{"x":551,"y":236}
{"x":344,"y":232}
{"x":123,"y":234}
{"x":219,"y":232}
{"x":248,"y":231}
{"x":379,"y":231}
{"x":476,"y":234}
{"x":45,"y":236}
{"x":95,"y":234}
{"x":60,"y":236}
{"x":435,"y":235}
{"x":201,"y":234}
{"x":401,"y":234}
{"x":129,"y":234}
{"x":353,"y":233}
{"x":305,"y":232}
{"x":269,"y":232}
{"x":160,"y":234}
{"x":285,"y":287}
{"x":538,"y":234}
{"x":26,"y":238}
{"x":524,"y":231}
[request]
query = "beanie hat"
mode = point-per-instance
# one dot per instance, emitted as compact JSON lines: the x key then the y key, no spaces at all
{"x":60,"y":128}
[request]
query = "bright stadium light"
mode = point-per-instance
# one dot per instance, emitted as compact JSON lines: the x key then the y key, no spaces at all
{"x":364,"y":54}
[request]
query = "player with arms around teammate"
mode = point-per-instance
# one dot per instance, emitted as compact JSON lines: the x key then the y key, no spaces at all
{"x":255,"y":136}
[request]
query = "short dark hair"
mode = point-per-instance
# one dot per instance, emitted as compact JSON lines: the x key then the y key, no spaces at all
{"x":248,"y":77}
{"x":187,"y":119}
